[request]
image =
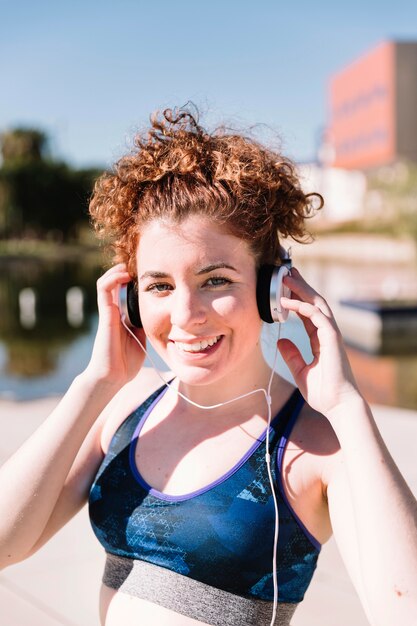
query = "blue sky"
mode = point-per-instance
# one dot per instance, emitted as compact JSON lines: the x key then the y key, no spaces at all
{"x":90,"y":72}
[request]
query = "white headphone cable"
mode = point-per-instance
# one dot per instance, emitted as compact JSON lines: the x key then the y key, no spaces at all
{"x":271,"y":482}
{"x":267,"y":394}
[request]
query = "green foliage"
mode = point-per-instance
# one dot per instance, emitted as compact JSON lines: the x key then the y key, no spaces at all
{"x":394,"y":189}
{"x":390,"y":205}
{"x":22,"y":145}
{"x":40,"y":197}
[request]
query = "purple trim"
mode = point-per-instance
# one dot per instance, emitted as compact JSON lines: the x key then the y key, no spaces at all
{"x":280,"y":455}
{"x":193,"y":494}
{"x":134,"y":440}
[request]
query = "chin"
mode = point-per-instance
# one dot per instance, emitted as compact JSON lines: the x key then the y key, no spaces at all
{"x":198,"y":376}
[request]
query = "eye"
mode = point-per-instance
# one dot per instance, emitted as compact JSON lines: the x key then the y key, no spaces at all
{"x":159,"y":287}
{"x":218,"y":281}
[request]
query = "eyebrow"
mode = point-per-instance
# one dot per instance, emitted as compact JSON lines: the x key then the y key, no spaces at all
{"x":215,"y":266}
{"x":153,"y":275}
{"x":204,"y":270}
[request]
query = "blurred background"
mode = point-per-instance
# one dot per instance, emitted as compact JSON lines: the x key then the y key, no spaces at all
{"x":332,"y":85}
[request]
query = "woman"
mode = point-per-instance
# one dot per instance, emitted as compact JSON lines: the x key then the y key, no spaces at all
{"x":179,"y":495}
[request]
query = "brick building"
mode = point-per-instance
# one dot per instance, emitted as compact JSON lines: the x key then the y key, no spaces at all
{"x":373,"y":108}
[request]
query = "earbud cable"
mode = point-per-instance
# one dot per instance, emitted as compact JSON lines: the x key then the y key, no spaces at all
{"x":268,"y":398}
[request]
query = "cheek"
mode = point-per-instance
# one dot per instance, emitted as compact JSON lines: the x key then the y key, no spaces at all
{"x":226,"y":306}
{"x":238,"y":311}
{"x":153,"y":316}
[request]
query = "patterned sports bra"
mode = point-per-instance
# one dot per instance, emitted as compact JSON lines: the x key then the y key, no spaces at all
{"x":221,"y":535}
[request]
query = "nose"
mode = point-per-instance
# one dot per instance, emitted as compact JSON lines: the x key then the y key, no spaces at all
{"x":188,"y":308}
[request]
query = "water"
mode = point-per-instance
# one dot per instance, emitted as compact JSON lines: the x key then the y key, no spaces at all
{"x":49,"y":318}
{"x":45,"y":328}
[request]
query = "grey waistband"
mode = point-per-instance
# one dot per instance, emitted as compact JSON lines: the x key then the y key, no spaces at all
{"x":190,"y":597}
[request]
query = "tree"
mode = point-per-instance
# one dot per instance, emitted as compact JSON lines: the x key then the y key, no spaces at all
{"x":38,"y":195}
{"x":23,"y":145}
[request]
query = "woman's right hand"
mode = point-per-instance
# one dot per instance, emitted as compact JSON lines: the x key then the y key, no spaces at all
{"x":116,"y":356}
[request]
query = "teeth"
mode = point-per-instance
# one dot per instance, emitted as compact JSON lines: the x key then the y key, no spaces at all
{"x":198,"y":346}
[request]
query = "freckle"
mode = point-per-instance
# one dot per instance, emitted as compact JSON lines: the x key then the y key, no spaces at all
{"x":398,"y":592}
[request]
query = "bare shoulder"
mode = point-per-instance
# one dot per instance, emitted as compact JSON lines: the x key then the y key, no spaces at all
{"x":310,"y":454}
{"x":314,"y":434}
{"x":127,"y":400}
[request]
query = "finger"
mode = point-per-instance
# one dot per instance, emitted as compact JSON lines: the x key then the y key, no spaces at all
{"x":327,"y":334}
{"x":107,"y":284}
{"x":304,"y":291}
{"x":310,"y":311}
{"x":112,"y":276}
{"x":292,"y":357}
{"x":308,"y":324}
{"x":311,"y":331}
{"x":115,"y":268}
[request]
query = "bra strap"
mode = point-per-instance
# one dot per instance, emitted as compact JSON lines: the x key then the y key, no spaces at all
{"x":297,"y":404}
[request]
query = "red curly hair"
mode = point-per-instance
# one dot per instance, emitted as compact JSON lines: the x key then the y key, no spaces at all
{"x":177,"y":169}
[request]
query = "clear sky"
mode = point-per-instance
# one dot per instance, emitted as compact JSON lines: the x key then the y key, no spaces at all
{"x":89,"y":72}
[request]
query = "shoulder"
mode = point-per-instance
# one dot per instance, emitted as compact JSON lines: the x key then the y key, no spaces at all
{"x":313,"y":437}
{"x":314,"y":434}
{"x":127,"y":400}
{"x":311,"y":451}
{"x":311,"y":432}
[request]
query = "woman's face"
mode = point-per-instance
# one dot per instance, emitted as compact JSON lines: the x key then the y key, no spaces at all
{"x":197,"y":298}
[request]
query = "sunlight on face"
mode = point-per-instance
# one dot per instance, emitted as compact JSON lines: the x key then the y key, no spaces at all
{"x":197,"y":298}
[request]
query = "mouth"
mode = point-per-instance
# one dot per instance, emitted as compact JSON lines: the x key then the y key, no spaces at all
{"x":199,"y":347}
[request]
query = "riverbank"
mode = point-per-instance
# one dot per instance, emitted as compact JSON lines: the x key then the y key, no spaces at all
{"x":344,"y":246}
{"x":357,"y":248}
{"x":37,"y":249}
{"x":59,"y":585}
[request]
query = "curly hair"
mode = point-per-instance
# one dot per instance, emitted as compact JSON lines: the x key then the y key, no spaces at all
{"x":177,"y":169}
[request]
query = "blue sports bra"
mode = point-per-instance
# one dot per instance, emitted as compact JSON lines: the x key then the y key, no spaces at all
{"x":221,"y":535}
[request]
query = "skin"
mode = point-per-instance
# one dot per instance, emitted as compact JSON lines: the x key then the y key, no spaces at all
{"x":193,"y":302}
{"x":337,"y":472}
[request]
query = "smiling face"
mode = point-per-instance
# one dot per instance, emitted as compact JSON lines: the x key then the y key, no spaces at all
{"x":197,"y":299}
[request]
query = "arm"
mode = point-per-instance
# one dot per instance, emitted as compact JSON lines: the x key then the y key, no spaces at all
{"x":373,"y":512}
{"x":32,"y":480}
{"x":46,"y":481}
{"x":384,"y":513}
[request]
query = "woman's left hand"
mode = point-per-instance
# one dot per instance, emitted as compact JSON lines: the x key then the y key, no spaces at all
{"x":326,"y":382}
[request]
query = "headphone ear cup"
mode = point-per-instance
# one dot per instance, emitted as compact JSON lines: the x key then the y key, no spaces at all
{"x":263,"y":289}
{"x":133,"y":305}
{"x":129,"y":306}
{"x":269,"y":289}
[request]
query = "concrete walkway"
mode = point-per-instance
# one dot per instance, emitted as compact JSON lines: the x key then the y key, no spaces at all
{"x":60,"y":584}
